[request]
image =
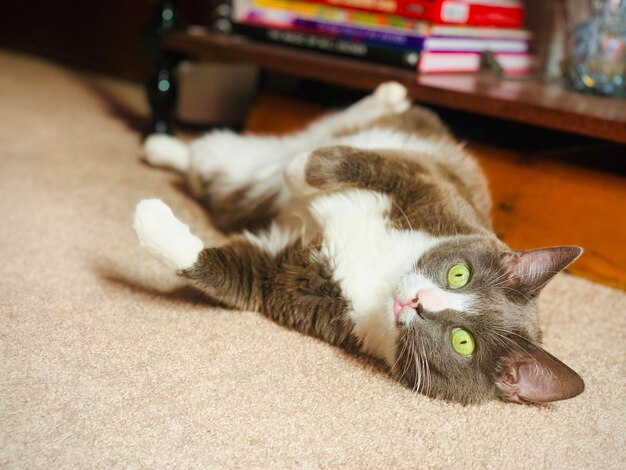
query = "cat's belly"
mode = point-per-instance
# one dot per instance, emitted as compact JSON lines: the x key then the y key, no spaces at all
{"x":367,"y":258}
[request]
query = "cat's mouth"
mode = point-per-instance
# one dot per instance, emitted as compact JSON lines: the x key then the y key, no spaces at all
{"x":407,"y":311}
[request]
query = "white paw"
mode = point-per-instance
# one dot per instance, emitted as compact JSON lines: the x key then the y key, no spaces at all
{"x":166,"y":237}
{"x":166,"y":151}
{"x":392,"y":95}
{"x":295,"y":175}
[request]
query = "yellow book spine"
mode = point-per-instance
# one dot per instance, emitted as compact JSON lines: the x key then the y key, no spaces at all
{"x":321,"y":11}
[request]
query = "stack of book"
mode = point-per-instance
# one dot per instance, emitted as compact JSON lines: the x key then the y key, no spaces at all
{"x":430,"y":36}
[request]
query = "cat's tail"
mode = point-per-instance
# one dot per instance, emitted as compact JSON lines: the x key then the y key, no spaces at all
{"x":167,"y":152}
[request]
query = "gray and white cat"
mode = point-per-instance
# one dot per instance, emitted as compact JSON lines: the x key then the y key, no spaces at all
{"x":369,"y":230}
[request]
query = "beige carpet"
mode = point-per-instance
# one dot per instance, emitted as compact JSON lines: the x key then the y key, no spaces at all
{"x":106,"y":360}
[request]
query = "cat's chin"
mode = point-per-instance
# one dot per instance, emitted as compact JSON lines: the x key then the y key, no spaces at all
{"x":402,"y":313}
{"x":407,"y":316}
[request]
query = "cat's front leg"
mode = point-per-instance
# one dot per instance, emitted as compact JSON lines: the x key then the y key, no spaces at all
{"x":339,"y":167}
{"x":272,"y":273}
{"x":226,"y":273}
{"x":164,"y":236}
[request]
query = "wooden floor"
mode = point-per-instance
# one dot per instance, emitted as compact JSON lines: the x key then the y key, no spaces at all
{"x":539,"y":200}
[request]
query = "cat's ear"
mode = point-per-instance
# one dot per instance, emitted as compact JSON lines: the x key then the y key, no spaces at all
{"x":529,"y":374}
{"x":530,"y":270}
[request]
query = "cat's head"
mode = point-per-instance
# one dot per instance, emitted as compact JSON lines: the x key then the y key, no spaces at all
{"x":467,"y":324}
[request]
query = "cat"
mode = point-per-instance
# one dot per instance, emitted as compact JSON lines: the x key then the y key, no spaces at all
{"x":370,"y":230}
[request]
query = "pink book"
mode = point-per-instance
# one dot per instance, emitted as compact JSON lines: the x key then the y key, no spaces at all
{"x":458,"y":62}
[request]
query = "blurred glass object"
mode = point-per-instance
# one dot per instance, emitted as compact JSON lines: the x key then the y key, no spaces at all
{"x":596,"y":50}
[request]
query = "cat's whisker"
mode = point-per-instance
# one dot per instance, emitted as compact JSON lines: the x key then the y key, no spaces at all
{"x":516,"y":345}
{"x":517,"y":291}
{"x":418,"y":372}
{"x":502,"y":274}
{"x":427,"y":367}
{"x":533,"y":274}
{"x":420,"y":367}
{"x":401,"y":357}
{"x":499,"y":339}
{"x":403,"y":214}
{"x":422,"y":373}
{"x":411,"y":360}
{"x":407,"y":363}
{"x":500,"y":336}
{"x":418,"y":376}
{"x":508,"y":344}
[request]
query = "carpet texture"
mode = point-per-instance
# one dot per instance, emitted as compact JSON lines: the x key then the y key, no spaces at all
{"x":108,"y":361}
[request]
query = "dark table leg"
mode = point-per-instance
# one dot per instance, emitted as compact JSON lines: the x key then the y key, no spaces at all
{"x":162,"y":89}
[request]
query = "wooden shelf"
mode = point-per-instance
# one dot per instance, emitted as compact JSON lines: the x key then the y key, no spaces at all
{"x":528,"y":101}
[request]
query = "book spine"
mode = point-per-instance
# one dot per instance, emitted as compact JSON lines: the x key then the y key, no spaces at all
{"x":419,"y":9}
{"x":444,"y":44}
{"x":479,"y":13}
{"x":445,"y":62}
{"x":500,"y":13}
{"x":308,"y":9}
{"x":358,"y":50}
{"x":480,"y":32}
{"x":372,"y":35}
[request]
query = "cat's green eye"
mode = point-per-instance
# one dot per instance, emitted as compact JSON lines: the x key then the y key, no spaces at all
{"x":458,"y":276}
{"x":462,"y":342}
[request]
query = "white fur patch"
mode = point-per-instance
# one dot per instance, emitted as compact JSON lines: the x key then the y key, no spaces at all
{"x":385,"y":138}
{"x":166,"y":237}
{"x":166,"y":151}
{"x":432,"y":297}
{"x":273,"y":240}
{"x":368,"y":259}
{"x":295,"y":175}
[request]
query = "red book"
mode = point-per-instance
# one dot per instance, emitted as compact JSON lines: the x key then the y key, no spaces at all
{"x":500,"y":13}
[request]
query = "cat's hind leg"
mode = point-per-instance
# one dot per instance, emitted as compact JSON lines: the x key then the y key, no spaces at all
{"x":246,"y":160}
{"x":389,"y":98}
{"x":239,"y":178}
{"x":167,"y":152}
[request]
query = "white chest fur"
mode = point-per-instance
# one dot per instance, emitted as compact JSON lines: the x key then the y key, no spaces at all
{"x":368,"y":258}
